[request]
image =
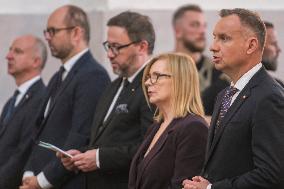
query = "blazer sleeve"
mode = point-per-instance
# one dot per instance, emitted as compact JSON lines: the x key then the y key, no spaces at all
{"x":190,"y":153}
{"x":117,"y":158}
{"x":85,"y":98}
{"x":267,"y":148}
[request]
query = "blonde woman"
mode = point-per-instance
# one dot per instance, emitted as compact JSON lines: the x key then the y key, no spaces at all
{"x":174,"y":147}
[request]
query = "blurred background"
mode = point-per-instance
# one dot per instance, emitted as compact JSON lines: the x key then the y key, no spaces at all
{"x":18,"y":17}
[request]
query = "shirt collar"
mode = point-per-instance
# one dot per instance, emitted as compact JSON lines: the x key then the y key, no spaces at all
{"x":23,"y":88}
{"x":131,"y":78}
{"x":243,"y":81}
{"x":71,"y":62}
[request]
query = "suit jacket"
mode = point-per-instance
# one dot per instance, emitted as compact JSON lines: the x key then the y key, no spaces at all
{"x":178,"y":154}
{"x":15,"y":136}
{"x":120,"y":135}
{"x":247,"y":152}
{"x":67,"y":123}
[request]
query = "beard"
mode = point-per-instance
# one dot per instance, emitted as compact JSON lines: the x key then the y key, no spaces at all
{"x":126,"y":69}
{"x":193,"y":47}
{"x":61,"y":52}
{"x":269,"y":64}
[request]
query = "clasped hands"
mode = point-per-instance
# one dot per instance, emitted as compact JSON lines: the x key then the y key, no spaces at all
{"x":197,"y":182}
{"x":80,"y":161}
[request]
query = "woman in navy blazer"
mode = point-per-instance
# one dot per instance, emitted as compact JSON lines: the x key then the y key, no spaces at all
{"x":174,"y":147}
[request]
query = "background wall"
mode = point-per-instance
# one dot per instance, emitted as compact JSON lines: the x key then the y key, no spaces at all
{"x":18,"y":17}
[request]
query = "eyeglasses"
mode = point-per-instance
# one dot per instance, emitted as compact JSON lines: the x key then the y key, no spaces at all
{"x":50,"y":32}
{"x":115,"y":48}
{"x":155,"y":77}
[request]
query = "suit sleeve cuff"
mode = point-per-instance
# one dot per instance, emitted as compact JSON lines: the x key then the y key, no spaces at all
{"x":97,"y":158}
{"x":28,"y":174}
{"x":209,"y":186}
{"x":42,"y":181}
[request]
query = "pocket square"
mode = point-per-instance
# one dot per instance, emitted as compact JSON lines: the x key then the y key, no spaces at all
{"x":121,"y":108}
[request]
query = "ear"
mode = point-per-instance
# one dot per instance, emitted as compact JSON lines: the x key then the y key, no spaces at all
{"x":177,"y":31}
{"x":37,"y":62}
{"x":143,"y":47}
{"x":252,"y":45}
{"x":76,"y":34}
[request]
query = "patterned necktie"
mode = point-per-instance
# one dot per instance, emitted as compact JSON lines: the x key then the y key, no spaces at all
{"x":225,"y":105}
{"x":57,"y":84}
{"x":11,"y":107}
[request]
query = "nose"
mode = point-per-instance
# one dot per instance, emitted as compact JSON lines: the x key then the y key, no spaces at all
{"x":110,"y":54}
{"x":214,"y":47}
{"x":9,"y":55}
{"x":202,"y":29}
{"x":147,"y":82}
{"x":46,"y":36}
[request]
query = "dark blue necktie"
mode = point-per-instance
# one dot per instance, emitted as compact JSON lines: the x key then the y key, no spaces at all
{"x":225,"y":104}
{"x":11,"y":107}
{"x":57,"y":84}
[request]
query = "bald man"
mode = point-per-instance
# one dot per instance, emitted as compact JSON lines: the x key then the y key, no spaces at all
{"x":73,"y":92}
{"x":26,"y":59}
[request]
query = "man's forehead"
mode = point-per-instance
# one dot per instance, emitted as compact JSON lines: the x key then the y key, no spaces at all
{"x":192,"y":16}
{"x":22,"y":43}
{"x":228,"y":25}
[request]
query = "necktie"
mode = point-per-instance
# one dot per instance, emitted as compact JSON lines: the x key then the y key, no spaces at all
{"x":57,"y":84}
{"x":225,"y":105}
{"x":11,"y":107}
{"x":124,"y":84}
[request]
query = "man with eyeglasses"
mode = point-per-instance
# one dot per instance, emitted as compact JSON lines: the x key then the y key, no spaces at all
{"x":122,"y":115}
{"x":73,"y":92}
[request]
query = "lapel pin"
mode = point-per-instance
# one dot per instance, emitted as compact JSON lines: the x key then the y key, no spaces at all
{"x":27,"y":96}
{"x":244,"y":97}
{"x":132,"y":90}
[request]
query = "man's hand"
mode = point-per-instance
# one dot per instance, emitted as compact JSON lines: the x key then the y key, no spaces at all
{"x":197,"y":182}
{"x":30,"y":183}
{"x":68,"y":162}
{"x":86,"y":161}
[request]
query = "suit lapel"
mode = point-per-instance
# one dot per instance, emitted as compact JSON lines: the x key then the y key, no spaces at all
{"x":157,"y":147}
{"x":125,"y":99}
{"x":241,"y":98}
{"x":104,"y":109}
{"x":215,"y":117}
{"x":24,"y":100}
{"x":70,"y":76}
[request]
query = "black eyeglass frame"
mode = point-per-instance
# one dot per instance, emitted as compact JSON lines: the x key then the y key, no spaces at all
{"x":115,"y":49}
{"x":52,"y":30}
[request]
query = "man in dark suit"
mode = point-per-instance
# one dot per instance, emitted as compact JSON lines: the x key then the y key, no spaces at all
{"x":73,"y":92}
{"x":26,"y":59}
{"x":122,"y":115}
{"x":271,"y":50}
{"x":245,"y":145}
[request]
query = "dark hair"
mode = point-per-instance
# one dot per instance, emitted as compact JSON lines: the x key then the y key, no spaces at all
{"x":183,"y":9}
{"x":138,"y":27}
{"x":76,"y":16}
{"x":250,"y":19}
{"x":268,"y":24}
